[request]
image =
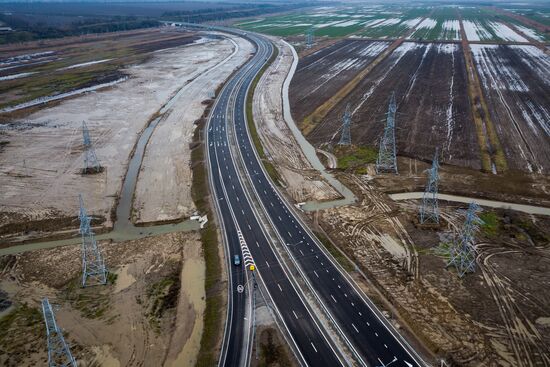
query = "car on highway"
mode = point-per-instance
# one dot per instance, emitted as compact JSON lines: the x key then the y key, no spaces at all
{"x":237,"y":260}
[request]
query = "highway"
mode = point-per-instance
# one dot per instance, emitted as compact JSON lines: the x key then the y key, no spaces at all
{"x":237,"y":215}
{"x":369,"y":336}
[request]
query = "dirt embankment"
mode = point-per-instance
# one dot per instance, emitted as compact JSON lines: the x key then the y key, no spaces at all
{"x":496,"y":315}
{"x":302,"y":181}
{"x":150,"y":313}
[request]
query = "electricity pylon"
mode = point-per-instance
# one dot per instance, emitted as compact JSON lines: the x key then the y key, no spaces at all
{"x":345,"y":139}
{"x":309,"y":38}
{"x":91,"y":164}
{"x":59,"y":354}
{"x":429,"y":211}
{"x":386,"y":161}
{"x":462,"y":251}
{"x":93,"y":267}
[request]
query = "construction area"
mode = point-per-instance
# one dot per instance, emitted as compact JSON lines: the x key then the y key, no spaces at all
{"x":414,"y":143}
{"x":42,"y":181}
{"x":479,"y":303}
{"x":469,"y":293}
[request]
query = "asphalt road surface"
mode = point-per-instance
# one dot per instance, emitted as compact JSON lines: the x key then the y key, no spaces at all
{"x":373,"y":342}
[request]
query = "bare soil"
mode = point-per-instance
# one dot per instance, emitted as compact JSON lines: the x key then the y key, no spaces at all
{"x":147,"y":314}
{"x":41,"y":181}
{"x":429,"y":81}
{"x":302,"y":181}
{"x":512,"y":186}
{"x":163,"y":191}
{"x":59,"y":66}
{"x":516,"y":86}
{"x":322,"y":73}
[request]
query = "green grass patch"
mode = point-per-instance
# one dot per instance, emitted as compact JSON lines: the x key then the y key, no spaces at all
{"x":491,"y":223}
{"x":92,"y":302}
{"x":22,"y":333}
{"x":335,"y":252}
{"x":163,"y":296}
{"x":355,"y":158}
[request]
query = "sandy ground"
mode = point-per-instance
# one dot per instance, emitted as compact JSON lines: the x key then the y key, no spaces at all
{"x":40,"y":175}
{"x":116,"y":324}
{"x":302,"y":181}
{"x":163,"y":190}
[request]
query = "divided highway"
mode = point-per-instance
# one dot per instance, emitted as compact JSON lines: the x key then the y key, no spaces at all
{"x":237,"y":214}
{"x":368,"y":335}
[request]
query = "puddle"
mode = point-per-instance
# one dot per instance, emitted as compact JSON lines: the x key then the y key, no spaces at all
{"x":192,"y":276}
{"x":124,"y":279}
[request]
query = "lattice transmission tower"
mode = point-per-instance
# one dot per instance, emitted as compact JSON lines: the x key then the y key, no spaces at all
{"x":309,"y":38}
{"x":91,"y":164}
{"x":462,"y":251}
{"x":59,"y":353}
{"x":386,"y":161}
{"x":429,"y":211}
{"x":93,"y":267}
{"x":345,"y":139}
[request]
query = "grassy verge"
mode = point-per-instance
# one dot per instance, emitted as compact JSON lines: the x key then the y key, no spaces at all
{"x":252,"y":126}
{"x":213,"y":312}
{"x":335,"y":252}
{"x":485,"y":129}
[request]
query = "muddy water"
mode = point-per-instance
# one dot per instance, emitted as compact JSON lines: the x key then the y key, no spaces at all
{"x":530,"y":209}
{"x":310,"y":153}
{"x":192,"y":283}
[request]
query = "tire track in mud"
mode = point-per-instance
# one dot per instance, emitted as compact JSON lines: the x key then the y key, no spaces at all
{"x":379,"y":207}
{"x":525,"y":339}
